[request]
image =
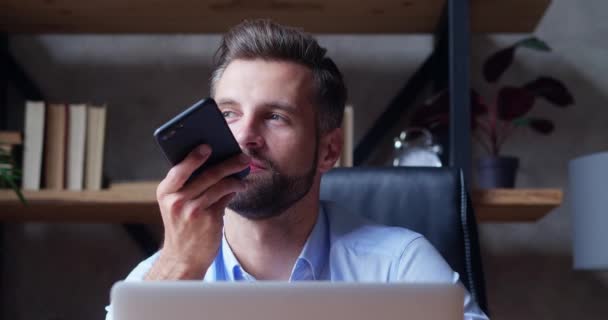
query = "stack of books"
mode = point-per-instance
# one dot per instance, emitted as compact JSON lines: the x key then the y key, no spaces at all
{"x":10,"y":141}
{"x":63,"y":146}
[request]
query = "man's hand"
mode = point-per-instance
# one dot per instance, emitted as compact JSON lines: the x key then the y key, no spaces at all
{"x":193,"y":214}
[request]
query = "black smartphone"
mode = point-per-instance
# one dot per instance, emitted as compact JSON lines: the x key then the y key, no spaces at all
{"x":202,"y":123}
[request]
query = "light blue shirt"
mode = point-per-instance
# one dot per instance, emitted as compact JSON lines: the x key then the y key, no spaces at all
{"x":346,"y":247}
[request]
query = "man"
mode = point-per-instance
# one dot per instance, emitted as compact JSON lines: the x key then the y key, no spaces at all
{"x":283,"y":100}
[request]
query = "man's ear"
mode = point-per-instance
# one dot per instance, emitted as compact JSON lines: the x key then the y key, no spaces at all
{"x":330,"y":149}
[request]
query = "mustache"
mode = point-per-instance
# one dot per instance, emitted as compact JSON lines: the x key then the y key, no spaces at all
{"x":255,"y":155}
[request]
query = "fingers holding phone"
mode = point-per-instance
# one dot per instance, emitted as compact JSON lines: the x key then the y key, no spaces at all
{"x":223,"y":170}
{"x":192,"y":213}
{"x":181,"y":172}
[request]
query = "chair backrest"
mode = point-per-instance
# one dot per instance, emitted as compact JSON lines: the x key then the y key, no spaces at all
{"x":431,"y":201}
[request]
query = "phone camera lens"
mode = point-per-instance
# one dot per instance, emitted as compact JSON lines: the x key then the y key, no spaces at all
{"x":169,"y":135}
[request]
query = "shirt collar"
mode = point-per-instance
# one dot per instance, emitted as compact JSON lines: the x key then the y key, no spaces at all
{"x":233,"y":269}
{"x":316,"y":249}
{"x":308,"y":266}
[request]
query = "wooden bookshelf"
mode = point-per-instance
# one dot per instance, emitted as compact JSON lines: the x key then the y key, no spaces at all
{"x":215,"y":16}
{"x":136,"y":203}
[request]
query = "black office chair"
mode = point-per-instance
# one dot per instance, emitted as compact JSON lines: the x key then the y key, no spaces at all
{"x":430,"y":201}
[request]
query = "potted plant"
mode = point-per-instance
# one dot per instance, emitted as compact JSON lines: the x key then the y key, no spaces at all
{"x":9,"y":174}
{"x":493,"y":121}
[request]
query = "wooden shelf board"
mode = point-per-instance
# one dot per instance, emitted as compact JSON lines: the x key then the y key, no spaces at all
{"x":123,"y":203}
{"x":515,"y":205}
{"x":136,"y":203}
{"x":216,"y":16}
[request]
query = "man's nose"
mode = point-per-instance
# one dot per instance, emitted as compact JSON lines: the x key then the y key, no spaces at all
{"x":248,"y":133}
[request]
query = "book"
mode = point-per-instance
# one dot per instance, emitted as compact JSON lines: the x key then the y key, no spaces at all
{"x":77,"y":118}
{"x":95,"y":127}
{"x":346,"y":159}
{"x":10,"y":138}
{"x":33,"y":145}
{"x":55,"y":146}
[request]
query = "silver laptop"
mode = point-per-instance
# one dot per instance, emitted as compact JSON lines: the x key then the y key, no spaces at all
{"x":194,"y":300}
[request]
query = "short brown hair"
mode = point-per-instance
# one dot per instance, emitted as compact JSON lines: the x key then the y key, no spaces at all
{"x":264,"y":39}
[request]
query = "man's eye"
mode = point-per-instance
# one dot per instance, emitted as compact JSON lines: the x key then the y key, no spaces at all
{"x":275,"y":116}
{"x":227,"y":114}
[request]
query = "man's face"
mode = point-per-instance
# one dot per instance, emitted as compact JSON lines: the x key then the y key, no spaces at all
{"x":269,"y":108}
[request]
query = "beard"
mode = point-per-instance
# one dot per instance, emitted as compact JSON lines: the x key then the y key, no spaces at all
{"x":272,"y":192}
